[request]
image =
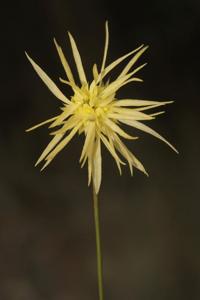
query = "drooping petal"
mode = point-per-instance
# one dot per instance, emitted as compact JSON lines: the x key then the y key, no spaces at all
{"x":97,"y":166}
{"x":89,"y":140}
{"x":63,"y":143}
{"x":132,"y":160}
{"x":41,"y":124}
{"x":49,"y":83}
{"x":114,"y":127}
{"x":56,"y":139}
{"x":133,"y":61}
{"x":112,"y":151}
{"x":147,"y":129}
{"x":77,"y":59}
{"x":64,"y":62}
{"x":106,"y":46}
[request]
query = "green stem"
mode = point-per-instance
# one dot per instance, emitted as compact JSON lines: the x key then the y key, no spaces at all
{"x":98,"y":245}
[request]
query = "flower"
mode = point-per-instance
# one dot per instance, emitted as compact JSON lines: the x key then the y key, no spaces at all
{"x":95,"y":111}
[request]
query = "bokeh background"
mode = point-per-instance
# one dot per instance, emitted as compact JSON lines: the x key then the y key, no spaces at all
{"x":150,"y":226}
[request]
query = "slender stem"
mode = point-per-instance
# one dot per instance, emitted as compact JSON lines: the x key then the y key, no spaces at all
{"x":98,"y":245}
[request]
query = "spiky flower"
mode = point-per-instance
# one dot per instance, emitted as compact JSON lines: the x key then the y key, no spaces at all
{"x":94,"y":110}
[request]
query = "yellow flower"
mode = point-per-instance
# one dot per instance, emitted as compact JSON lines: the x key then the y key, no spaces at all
{"x":94,"y":110}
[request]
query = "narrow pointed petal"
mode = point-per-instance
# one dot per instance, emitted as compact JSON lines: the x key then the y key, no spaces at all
{"x":77,"y":59}
{"x":149,"y":130}
{"x":41,"y":124}
{"x":132,"y":160}
{"x":116,"y":84}
{"x":157,"y":113}
{"x":50,"y":146}
{"x":120,"y":113}
{"x":64,"y":62}
{"x":115,"y":63}
{"x":49,"y":83}
{"x":106,"y":46}
{"x":153,"y":106}
{"x":138,"y":102}
{"x":63,"y":143}
{"x":89,"y":169}
{"x":112,"y":152}
{"x":95,"y":72}
{"x":132,"y":61}
{"x":97,"y":166}
{"x":89,"y":140}
{"x":67,"y":125}
{"x":66,"y":113}
{"x":114,"y":127}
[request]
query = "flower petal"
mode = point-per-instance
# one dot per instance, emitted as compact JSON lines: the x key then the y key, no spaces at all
{"x":49,"y":147}
{"x":89,"y":140}
{"x":77,"y":59}
{"x":147,"y":129}
{"x":138,"y":102}
{"x":106,"y":46}
{"x":112,"y":151}
{"x":41,"y":124}
{"x":112,"y":125}
{"x":63,"y":143}
{"x":97,"y":166}
{"x":49,"y":83}
{"x":64,"y":62}
{"x":115,"y":63}
{"x":132,"y":61}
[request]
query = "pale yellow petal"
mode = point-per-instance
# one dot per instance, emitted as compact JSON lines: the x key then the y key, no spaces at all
{"x":89,"y":140}
{"x":157,"y":113}
{"x":115,"y":63}
{"x":63,"y":143}
{"x":112,"y":152}
{"x":106,"y":46}
{"x":50,"y":146}
{"x":154,"y":105}
{"x":132,"y":62}
{"x":114,"y":86}
{"x":67,"y":125}
{"x":64,"y":62}
{"x":49,"y":83}
{"x":138,"y":102}
{"x":97,"y":166}
{"x":77,"y":59}
{"x":64,"y":115}
{"x":95,"y":72}
{"x":149,"y":130}
{"x":41,"y":124}
{"x":132,"y":160}
{"x":129,"y":114}
{"x":112,"y":125}
{"x":89,"y":169}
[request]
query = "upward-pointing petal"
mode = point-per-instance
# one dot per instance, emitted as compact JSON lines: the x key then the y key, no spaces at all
{"x":77,"y":59}
{"x":49,"y":83}
{"x":132,"y":61}
{"x":64,"y":62}
{"x":115,"y":63}
{"x":106,"y":46}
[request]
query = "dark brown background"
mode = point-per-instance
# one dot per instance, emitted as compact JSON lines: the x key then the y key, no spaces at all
{"x":150,"y":226}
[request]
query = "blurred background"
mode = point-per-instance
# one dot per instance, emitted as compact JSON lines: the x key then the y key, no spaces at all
{"x":150,"y":226}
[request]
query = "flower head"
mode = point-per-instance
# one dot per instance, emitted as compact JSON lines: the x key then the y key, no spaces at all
{"x":94,"y":110}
